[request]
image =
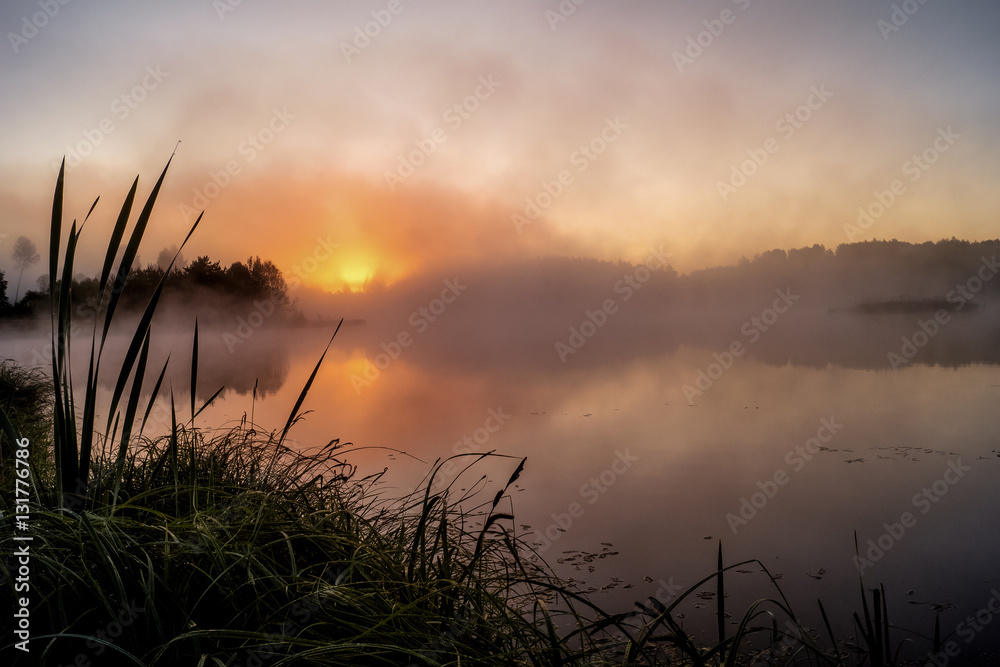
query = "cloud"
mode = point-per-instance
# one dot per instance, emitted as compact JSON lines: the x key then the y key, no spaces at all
{"x":290,"y":215}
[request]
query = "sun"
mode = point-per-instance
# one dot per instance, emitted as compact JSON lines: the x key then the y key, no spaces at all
{"x":360,"y":269}
{"x":356,"y":274}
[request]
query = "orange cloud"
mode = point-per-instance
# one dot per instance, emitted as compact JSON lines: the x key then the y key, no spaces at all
{"x":332,"y":230}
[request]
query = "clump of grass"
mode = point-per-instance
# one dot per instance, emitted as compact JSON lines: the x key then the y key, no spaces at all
{"x":258,"y":551}
{"x":26,"y":399}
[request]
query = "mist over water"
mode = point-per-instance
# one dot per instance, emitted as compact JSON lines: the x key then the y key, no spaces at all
{"x":658,"y":417}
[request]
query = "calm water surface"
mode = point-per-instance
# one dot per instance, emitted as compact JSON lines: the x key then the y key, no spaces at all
{"x":780,"y":461}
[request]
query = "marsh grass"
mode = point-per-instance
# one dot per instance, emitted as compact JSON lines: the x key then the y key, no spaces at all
{"x":26,"y":400}
{"x":230,"y":548}
{"x":246,"y":551}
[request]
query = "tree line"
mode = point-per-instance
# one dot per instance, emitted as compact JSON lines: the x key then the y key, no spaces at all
{"x":201,"y":281}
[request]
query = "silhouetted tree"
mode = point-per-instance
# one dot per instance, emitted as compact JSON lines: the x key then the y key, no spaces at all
{"x":267,"y":280}
{"x":25,"y":255}
{"x":141,"y":284}
{"x":4,"y":303}
{"x":205,"y":273}
{"x":166,"y":255}
{"x":239,"y":279}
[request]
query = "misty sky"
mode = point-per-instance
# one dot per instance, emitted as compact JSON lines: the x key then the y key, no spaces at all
{"x":622,"y":129}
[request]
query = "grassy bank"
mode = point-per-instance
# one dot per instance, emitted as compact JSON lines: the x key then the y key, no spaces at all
{"x":228,"y":548}
{"x":234,"y":549}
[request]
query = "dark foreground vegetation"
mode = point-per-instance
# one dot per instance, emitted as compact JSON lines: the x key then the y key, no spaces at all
{"x":228,"y":548}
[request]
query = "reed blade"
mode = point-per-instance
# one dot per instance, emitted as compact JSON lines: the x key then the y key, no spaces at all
{"x":65,"y":426}
{"x":210,"y":400}
{"x":305,"y":390}
{"x":720,"y":592}
{"x":194,"y":370}
{"x":114,"y":244}
{"x":132,"y":248}
{"x":130,"y":411}
{"x":153,"y":395}
{"x":144,"y":324}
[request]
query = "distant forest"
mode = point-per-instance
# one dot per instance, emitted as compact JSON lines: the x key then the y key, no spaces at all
{"x":203,"y":282}
{"x":869,"y":277}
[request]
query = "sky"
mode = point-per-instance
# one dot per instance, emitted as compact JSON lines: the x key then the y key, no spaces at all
{"x":377,"y":140}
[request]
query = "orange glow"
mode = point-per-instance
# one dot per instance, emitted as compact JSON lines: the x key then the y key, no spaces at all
{"x":362,"y":270}
{"x":357,"y":364}
{"x":356,"y":272}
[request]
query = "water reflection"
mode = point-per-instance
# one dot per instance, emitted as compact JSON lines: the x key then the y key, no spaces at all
{"x":617,"y":454}
{"x":695,"y":465}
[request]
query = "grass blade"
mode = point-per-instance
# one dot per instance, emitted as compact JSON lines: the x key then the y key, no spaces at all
{"x":130,"y":411}
{"x":194,"y":370}
{"x":305,"y":390}
{"x":720,"y":594}
{"x":114,"y":244}
{"x":131,"y":249}
{"x":209,"y":401}
{"x":153,"y":395}
{"x":66,"y":435}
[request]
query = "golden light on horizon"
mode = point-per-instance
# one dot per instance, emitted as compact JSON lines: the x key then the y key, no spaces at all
{"x":350,"y":268}
{"x":363,"y":267}
{"x":362,"y":270}
{"x":356,"y":274}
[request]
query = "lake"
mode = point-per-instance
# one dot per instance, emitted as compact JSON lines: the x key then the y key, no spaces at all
{"x":644,"y":450}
